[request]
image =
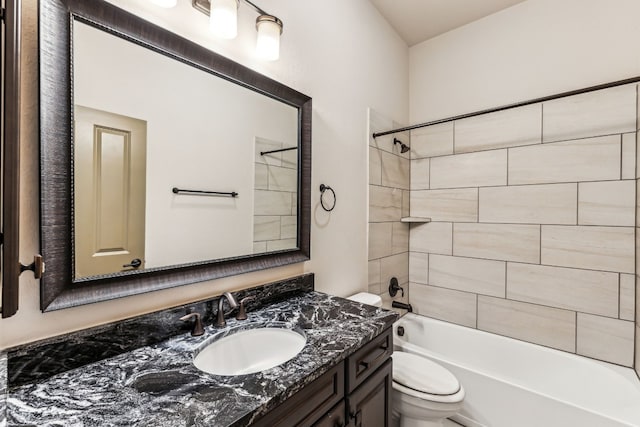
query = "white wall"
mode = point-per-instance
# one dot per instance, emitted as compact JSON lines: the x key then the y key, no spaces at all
{"x":350,"y":62}
{"x":533,"y":49}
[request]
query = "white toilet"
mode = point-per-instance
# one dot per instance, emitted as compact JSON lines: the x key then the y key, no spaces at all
{"x":424,"y":393}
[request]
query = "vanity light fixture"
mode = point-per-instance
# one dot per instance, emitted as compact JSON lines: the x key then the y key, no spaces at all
{"x":223,"y":18}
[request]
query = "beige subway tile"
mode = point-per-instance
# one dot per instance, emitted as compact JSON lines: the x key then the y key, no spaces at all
{"x":637,"y":181}
{"x":445,"y":205}
{"x":627,"y":296}
{"x":508,"y":128}
{"x":587,"y":291}
{"x":607,"y":203}
{"x":374,"y":277}
{"x":261,"y":178}
{"x":283,"y":179}
{"x":431,"y":237}
{"x":468,"y":274}
{"x":379,"y":123}
{"x":266,"y":228}
{"x":403,"y":137}
{"x":294,"y":204}
{"x":592,"y":159}
{"x":497,"y":241}
{"x":395,"y":171}
{"x":588,"y":247}
{"x":288,"y":227}
{"x":290,"y":158}
{"x":637,"y":294}
{"x":262,"y":144}
{"x":436,"y":140}
{"x":444,"y":304}
{"x":394,"y":266}
{"x":469,"y":170}
{"x":278,"y":245}
{"x":375,"y":166}
{"x":420,"y":174}
{"x":629,"y":156}
{"x":406,"y":198}
{"x":547,"y":326}
{"x":529,"y":204}
{"x":605,"y":339}
{"x":385,"y":204}
{"x":418,"y":267}
{"x":259,"y":247}
{"x":602,"y":112}
{"x":387,"y":300}
{"x":272,"y":202}
{"x":379,"y":240}
{"x":637,"y":359}
{"x":400,"y":237}
{"x":638,"y":154}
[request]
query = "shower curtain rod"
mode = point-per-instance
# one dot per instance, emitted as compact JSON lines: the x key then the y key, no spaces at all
{"x":509,"y":106}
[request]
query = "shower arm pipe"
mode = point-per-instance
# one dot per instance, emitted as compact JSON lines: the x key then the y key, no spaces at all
{"x":510,"y":106}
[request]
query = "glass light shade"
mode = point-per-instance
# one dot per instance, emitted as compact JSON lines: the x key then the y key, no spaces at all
{"x":165,"y":3}
{"x":268,"y":42}
{"x":223,"y":18}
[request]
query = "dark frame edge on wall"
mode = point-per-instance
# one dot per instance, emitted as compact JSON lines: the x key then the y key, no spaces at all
{"x":58,"y":288}
{"x":11,"y":160}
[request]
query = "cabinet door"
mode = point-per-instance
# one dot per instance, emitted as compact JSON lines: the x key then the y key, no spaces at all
{"x":309,"y":404}
{"x":334,"y":418}
{"x":370,"y":404}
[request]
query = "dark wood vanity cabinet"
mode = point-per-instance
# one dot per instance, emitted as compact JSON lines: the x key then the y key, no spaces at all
{"x":354,"y":393}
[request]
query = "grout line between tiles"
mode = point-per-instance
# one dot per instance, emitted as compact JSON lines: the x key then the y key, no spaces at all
{"x":619,"y":292}
{"x":575,"y":344}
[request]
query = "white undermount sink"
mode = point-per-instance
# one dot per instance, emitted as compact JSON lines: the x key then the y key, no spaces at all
{"x":249,"y":351}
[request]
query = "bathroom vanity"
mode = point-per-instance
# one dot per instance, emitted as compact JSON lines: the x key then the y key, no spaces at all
{"x":342,"y":376}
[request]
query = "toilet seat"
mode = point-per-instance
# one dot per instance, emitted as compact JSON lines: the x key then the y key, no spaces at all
{"x":421,"y":378}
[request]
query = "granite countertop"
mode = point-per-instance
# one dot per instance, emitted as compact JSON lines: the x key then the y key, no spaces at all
{"x":158,"y":385}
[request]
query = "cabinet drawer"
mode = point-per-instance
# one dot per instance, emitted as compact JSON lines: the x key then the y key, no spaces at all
{"x":336,"y":417}
{"x":309,"y":404}
{"x":366,"y":360}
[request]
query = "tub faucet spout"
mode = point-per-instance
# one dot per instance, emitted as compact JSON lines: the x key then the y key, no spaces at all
{"x":398,"y":304}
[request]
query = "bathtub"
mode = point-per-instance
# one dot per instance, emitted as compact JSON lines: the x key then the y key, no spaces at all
{"x":511,"y":383}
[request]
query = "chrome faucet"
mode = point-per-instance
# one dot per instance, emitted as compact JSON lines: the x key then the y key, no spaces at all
{"x":220,"y":322}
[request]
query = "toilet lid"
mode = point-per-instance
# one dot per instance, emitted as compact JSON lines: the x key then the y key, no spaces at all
{"x":423,"y":375}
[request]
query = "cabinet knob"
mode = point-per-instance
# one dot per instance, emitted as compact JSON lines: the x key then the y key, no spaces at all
{"x":356,"y":417}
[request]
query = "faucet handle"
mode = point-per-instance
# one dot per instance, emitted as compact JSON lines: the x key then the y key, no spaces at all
{"x":197,"y":325}
{"x":242,"y":312}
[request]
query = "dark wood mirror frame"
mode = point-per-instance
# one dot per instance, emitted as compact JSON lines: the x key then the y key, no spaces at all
{"x":58,"y":289}
{"x":11,"y":158}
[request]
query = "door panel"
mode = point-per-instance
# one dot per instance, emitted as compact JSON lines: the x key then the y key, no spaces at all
{"x":109,"y":189}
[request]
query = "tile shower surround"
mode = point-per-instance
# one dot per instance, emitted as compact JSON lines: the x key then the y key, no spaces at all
{"x":534,"y":223}
{"x":389,"y":183}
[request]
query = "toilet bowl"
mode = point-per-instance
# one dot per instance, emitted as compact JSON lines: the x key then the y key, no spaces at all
{"x":424,"y":393}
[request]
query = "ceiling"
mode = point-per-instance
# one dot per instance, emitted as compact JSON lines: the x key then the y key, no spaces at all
{"x":419,"y":20}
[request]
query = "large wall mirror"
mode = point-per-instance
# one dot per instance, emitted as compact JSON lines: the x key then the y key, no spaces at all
{"x":162,"y":163}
